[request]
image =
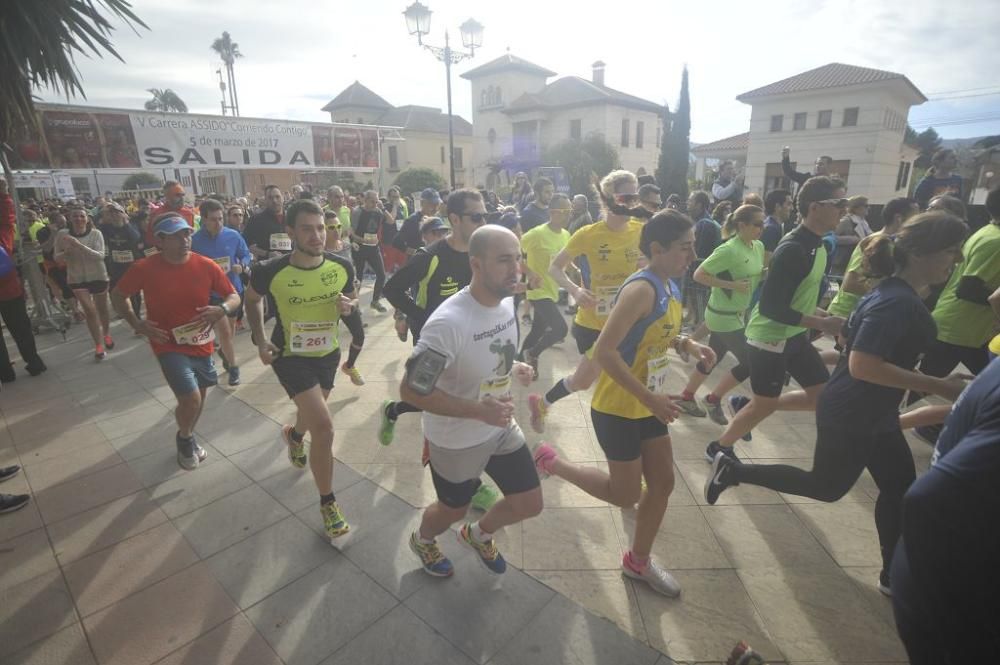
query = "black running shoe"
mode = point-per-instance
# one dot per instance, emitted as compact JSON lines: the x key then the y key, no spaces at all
{"x":884,"y":585}
{"x":720,"y":478}
{"x":715,"y":447}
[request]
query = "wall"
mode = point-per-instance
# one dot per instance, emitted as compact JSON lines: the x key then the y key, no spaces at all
{"x":513,"y":84}
{"x":423,"y":149}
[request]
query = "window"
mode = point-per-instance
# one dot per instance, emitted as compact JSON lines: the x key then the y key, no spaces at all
{"x":850,"y":117}
{"x":442,"y":155}
{"x":457,"y":159}
{"x":659,"y":131}
{"x":823,"y":122}
{"x":776,"y":122}
{"x":576,"y":129}
{"x":640,"y":128}
{"x":393,"y":158}
{"x":625,"y":132}
{"x":903,"y":177}
{"x":799,"y":122}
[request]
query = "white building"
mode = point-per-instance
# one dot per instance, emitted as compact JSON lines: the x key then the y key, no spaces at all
{"x":516,"y":114}
{"x":856,"y":115}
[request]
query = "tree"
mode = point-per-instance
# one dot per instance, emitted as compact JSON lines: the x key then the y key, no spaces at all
{"x":583,"y":160}
{"x":927,"y":142}
{"x":419,"y":179}
{"x":141,"y":180}
{"x":675,"y":149}
{"x":229,"y":50}
{"x":165,"y":100}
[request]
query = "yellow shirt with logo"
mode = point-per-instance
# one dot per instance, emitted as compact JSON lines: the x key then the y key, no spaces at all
{"x":611,"y":257}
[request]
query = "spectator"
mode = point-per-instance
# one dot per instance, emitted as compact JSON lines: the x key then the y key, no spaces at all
{"x":940,"y":178}
{"x":581,"y":214}
{"x":520,"y":191}
{"x":173,"y":201}
{"x":729,"y":185}
{"x":824,"y":163}
{"x":649,"y":198}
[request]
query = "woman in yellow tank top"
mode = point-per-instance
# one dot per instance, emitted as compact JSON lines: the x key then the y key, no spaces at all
{"x":630,"y":409}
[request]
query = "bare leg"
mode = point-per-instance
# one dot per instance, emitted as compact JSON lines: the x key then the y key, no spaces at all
{"x":620,"y":485}
{"x":224,"y":330}
{"x":511,"y":510}
{"x":726,"y":383}
{"x":90,"y":314}
{"x":315,"y":418}
{"x":103,"y":311}
{"x":188,"y":411}
{"x":437,"y":518}
{"x":658,"y":469}
{"x":924,"y":416}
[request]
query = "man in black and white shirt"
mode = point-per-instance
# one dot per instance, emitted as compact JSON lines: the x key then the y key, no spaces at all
{"x":366,"y":220}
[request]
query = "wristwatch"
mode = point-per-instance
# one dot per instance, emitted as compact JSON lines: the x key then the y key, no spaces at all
{"x":225,"y":310}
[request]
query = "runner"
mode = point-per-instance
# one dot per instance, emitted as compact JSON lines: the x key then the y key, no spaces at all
{"x":178,"y":285}
{"x":733,"y":272}
{"x":81,"y":246}
{"x":857,"y":421}
{"x":312,"y":290}
{"x":366,"y":220}
{"x":124,"y":245}
{"x":173,"y":202}
{"x":229,"y":251}
{"x":338,"y":246}
{"x":611,"y":250}
{"x":461,"y":374}
{"x":630,"y":409}
{"x":265,"y":233}
{"x":778,"y":329}
{"x":542,"y":244}
{"x":408,"y":238}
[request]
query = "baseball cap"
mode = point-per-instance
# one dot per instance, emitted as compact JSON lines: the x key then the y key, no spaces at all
{"x":434,"y":224}
{"x":171,"y":224}
{"x":431,"y":195}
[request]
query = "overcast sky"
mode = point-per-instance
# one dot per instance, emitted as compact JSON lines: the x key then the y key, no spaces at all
{"x":300,"y":53}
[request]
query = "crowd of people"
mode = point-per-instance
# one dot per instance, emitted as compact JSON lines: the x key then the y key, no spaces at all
{"x":483,"y":288}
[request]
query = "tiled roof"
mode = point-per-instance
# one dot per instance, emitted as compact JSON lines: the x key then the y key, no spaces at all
{"x":576,"y":91}
{"x":506,"y":62}
{"x":834,"y":75}
{"x":424,"y":119}
{"x":738,"y":142}
{"x":357,"y":96}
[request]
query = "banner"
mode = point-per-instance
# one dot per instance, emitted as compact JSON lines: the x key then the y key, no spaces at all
{"x":82,"y":139}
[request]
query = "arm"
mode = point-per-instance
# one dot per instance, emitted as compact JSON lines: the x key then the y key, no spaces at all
{"x":973,"y":289}
{"x":790,"y":173}
{"x":397,"y":288}
{"x":789,"y":267}
{"x":994,"y":301}
{"x":721,"y":193}
{"x":634,"y":302}
{"x":557,"y":270}
{"x":874,"y":369}
{"x":441,"y":403}
{"x":702,"y":277}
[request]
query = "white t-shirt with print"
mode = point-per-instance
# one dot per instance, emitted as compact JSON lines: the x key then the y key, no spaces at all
{"x":479,"y":344}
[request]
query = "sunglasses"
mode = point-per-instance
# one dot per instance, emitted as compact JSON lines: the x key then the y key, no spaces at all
{"x":625,"y":199}
{"x":839,"y":203}
{"x":477,"y":217}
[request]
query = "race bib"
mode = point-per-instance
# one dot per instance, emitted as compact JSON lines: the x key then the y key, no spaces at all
{"x":280,"y":242}
{"x":193,"y":334}
{"x":656,"y":374}
{"x":224,"y":263}
{"x":497,"y":387}
{"x":150,"y":251}
{"x":370,"y":239}
{"x":122,"y":256}
{"x":773,"y":347}
{"x":310,"y":336}
{"x":605,"y":299}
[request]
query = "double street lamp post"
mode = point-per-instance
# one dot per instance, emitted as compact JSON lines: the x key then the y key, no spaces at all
{"x":418,"y":22}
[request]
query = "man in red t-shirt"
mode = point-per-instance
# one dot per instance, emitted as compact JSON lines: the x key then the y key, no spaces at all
{"x":173,"y":201}
{"x":177,"y":284}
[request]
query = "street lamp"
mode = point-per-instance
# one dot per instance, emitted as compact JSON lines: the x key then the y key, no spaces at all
{"x":418,"y":22}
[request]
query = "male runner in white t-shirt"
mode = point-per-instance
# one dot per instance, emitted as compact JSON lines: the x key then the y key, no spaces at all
{"x":461,"y":374}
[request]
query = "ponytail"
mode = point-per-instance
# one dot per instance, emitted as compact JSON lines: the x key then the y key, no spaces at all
{"x":922,"y":234}
{"x":878,"y":258}
{"x":742,"y":215}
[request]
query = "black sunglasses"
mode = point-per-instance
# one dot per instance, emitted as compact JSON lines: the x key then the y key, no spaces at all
{"x":477,"y":217}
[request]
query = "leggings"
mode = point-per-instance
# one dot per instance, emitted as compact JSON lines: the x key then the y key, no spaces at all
{"x":547,"y":327}
{"x":372,"y":256}
{"x":356,"y":326}
{"x":15,"y":316}
{"x":838,"y":461}
{"x":734,"y":342}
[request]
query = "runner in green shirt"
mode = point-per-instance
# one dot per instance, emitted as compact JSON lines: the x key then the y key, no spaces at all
{"x":733,"y":272}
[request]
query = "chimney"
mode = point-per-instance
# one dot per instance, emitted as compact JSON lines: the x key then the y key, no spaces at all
{"x":598,"y":73}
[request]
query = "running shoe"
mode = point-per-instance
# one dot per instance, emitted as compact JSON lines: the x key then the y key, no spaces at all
{"x":234,"y":375}
{"x":737,"y":402}
{"x":354,"y":373}
{"x":716,"y":447}
{"x":431,"y":558}
{"x":200,"y":453}
{"x":99,"y":353}
{"x":108,"y":342}
{"x":388,"y":427}
{"x":402,"y":329}
{"x":378,"y":306}
{"x":487,"y":551}
{"x":9,"y":472}
{"x":296,"y":450}
{"x":720,"y":477}
{"x":525,"y":319}
{"x":34,"y":369}
{"x":539,"y":409}
{"x":333,"y":520}
{"x":742,"y":654}
{"x":187,"y":456}
{"x":544,"y":456}
{"x":715,"y":412}
{"x":484,"y":498}
{"x":11,"y":502}
{"x":658,"y":579}
{"x":884,"y":585}
{"x":688,"y":406}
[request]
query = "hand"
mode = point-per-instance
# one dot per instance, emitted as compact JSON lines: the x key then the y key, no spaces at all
{"x":496,"y":412}
{"x":534,"y":281}
{"x":401,"y":326}
{"x":704,"y":353}
{"x":520,"y":287}
{"x":742,"y":286}
{"x":662,"y":407}
{"x":209,"y":314}
{"x":585,"y":298}
{"x":523,"y":373}
{"x":355,"y":246}
{"x":831,"y":325}
{"x":345,"y":305}
{"x":149,"y":329}
{"x":951,"y":386}
{"x":267,"y":352}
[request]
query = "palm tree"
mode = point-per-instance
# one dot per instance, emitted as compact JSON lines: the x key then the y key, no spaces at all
{"x":165,"y":100}
{"x":229,"y":50}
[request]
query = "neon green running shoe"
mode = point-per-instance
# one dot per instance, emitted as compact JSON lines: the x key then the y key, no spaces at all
{"x":484,"y":498}
{"x":333,"y":520}
{"x":388,"y":427}
{"x":296,"y":451}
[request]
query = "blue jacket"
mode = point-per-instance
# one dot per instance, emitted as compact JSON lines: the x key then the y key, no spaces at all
{"x":228,"y":244}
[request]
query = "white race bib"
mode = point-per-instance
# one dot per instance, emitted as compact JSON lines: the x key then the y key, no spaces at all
{"x":605,"y":299}
{"x":310,"y":336}
{"x":193,"y":334}
{"x":370,"y":239}
{"x":122,"y":256}
{"x":280,"y":242}
{"x":773,"y":347}
{"x":496,"y":387}
{"x":656,"y":374}
{"x":150,"y":251}
{"x":224,"y":263}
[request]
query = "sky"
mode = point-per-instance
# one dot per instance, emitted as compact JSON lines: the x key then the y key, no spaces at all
{"x":299,"y":54}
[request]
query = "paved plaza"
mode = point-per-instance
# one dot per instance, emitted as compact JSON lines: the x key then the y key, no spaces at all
{"x":122,"y":558}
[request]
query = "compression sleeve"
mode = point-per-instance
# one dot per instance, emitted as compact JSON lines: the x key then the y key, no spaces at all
{"x":397,"y":289}
{"x":789,"y":266}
